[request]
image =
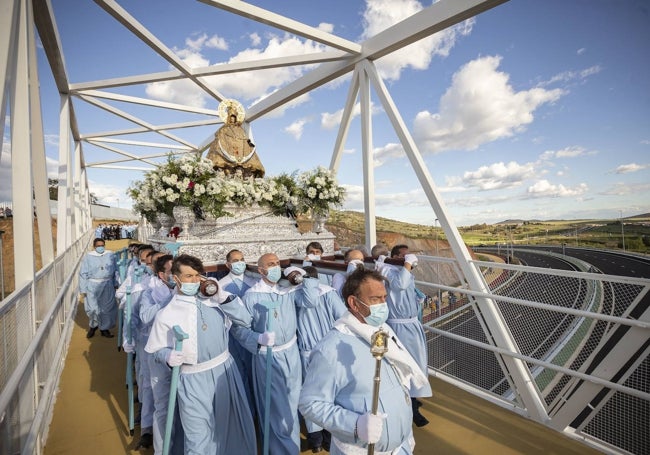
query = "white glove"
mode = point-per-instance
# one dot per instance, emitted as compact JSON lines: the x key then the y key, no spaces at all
{"x":128,"y":347}
{"x":411,"y":259}
{"x":174,"y":358}
{"x":380,"y":259}
{"x":266,"y":339}
{"x":370,"y":426}
{"x":292,"y":269}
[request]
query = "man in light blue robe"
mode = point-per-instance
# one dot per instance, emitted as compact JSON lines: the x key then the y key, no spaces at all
{"x":237,"y":282}
{"x":353,"y":259}
{"x":158,"y":294}
{"x":266,"y":298}
{"x":98,"y":279}
{"x":138,"y":282}
{"x":212,"y":403}
{"x":315,"y":319}
{"x":338,"y":389}
{"x":404,"y":311}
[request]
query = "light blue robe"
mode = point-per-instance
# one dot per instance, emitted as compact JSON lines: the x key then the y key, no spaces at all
{"x":338,"y":389}
{"x":238,"y":285}
{"x":213,"y":408}
{"x":98,"y":279}
{"x":286,"y":374}
{"x":404,"y":308}
{"x":315,"y":318}
{"x":156,"y":297}
{"x":139,"y":287}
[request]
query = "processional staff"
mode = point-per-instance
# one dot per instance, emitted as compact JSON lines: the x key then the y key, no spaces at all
{"x":378,"y":348}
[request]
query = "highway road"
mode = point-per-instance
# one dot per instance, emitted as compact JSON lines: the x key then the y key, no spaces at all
{"x":535,"y":331}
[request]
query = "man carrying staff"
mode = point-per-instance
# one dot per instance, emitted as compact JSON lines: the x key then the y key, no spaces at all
{"x":337,"y":392}
{"x":212,"y":403}
{"x":271,"y":305}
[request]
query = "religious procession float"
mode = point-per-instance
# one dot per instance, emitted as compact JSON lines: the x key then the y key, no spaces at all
{"x":206,"y":206}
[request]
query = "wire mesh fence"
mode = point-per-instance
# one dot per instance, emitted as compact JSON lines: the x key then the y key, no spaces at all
{"x":584,"y":337}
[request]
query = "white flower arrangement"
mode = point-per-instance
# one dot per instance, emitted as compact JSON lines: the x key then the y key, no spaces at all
{"x":191,"y":181}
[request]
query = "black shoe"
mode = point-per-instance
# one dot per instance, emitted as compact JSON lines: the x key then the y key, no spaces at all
{"x":107,"y":333}
{"x":91,"y":332}
{"x":317,"y":449}
{"x":327,"y":439}
{"x":146,"y":440}
{"x":419,"y":420}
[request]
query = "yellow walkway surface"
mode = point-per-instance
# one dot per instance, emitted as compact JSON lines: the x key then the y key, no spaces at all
{"x":90,"y":414}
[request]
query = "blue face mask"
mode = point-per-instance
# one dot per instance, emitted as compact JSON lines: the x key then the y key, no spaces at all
{"x":170,"y":282}
{"x":273,"y":274}
{"x":238,"y":268}
{"x":190,"y":288}
{"x":100,"y":249}
{"x":378,"y":313}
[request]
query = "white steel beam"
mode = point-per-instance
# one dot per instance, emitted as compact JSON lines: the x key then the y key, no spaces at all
{"x":39,"y":166}
{"x":518,"y":369}
{"x":8,"y":23}
{"x":367,"y":158}
{"x":134,"y":119}
{"x":213,"y":70}
{"x":170,"y":126}
{"x":122,"y":152}
{"x":21,"y":167}
{"x":107,"y":140}
{"x":155,"y":155}
{"x":439,"y":16}
{"x":148,"y":102}
{"x":283,"y":23}
{"x":64,"y":203}
{"x":139,"y":30}
{"x":346,"y":119}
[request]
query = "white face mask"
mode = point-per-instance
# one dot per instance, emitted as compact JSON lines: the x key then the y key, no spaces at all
{"x":314,"y":257}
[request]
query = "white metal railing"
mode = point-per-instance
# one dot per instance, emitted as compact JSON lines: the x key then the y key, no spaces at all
{"x":586,"y":335}
{"x":35,"y":323}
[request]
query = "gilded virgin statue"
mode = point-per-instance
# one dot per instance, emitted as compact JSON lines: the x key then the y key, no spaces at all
{"x":232,"y":151}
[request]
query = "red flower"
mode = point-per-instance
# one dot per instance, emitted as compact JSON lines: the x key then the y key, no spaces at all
{"x":190,"y":186}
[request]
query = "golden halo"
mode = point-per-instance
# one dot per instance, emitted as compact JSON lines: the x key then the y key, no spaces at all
{"x":228,"y":107}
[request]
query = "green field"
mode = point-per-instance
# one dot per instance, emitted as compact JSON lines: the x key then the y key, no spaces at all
{"x":586,"y":233}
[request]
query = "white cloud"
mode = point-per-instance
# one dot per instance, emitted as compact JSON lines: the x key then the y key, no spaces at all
{"x":545,"y":189}
{"x":387,"y":152}
{"x":498,"y":176}
{"x":567,"y":152}
{"x":216,"y":42}
{"x":296,"y":128}
{"x":631,"y":167}
{"x":568,"y":76}
{"x":581,"y":51}
{"x":479,"y":107}
{"x":332,"y":120}
{"x":248,"y":85}
{"x":625,"y":189}
{"x":255,"y":39}
{"x":382,"y":14}
{"x":325,"y":27}
{"x":413,"y":198}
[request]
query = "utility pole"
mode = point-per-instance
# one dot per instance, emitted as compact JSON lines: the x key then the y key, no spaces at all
{"x":435,"y":225}
{"x":622,"y":230}
{"x":2,"y":270}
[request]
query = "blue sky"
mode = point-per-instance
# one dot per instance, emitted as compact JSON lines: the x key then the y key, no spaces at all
{"x":532,"y":110}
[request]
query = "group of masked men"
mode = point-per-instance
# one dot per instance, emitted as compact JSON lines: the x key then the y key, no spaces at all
{"x":263,"y":353}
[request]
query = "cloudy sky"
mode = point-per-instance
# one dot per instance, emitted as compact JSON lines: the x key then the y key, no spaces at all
{"x":533,"y":110}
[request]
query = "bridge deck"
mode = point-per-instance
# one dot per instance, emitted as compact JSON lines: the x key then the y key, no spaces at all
{"x":91,"y":408}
